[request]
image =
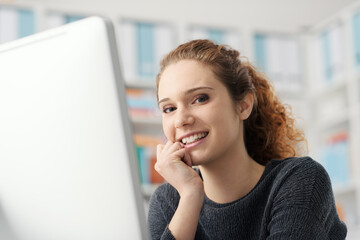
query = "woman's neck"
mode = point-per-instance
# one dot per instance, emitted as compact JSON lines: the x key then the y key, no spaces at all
{"x":227,"y":180}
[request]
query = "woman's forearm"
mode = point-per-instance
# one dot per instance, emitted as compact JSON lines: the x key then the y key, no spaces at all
{"x":184,"y":223}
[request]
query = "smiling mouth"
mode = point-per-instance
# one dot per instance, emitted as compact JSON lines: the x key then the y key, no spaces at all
{"x":194,"y":138}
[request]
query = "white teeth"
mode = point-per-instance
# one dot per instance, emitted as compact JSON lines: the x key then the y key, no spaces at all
{"x":193,"y":138}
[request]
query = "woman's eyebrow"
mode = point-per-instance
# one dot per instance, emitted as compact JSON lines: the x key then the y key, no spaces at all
{"x":196,"y":89}
{"x":163,"y":100}
{"x":187,"y":92}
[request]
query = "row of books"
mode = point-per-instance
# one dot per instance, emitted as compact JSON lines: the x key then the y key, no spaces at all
{"x":142,"y":103}
{"x":329,"y":51}
{"x":15,"y":23}
{"x":279,"y":57}
{"x":329,"y":55}
{"x":20,"y":22}
{"x":142,"y":45}
{"x":229,"y":37}
{"x":335,"y":158}
{"x":146,"y":155}
{"x":55,"y":19}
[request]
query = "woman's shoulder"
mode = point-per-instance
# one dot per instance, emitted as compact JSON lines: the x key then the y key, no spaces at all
{"x":301,"y":170}
{"x":301,"y":190}
{"x":297,"y":167}
{"x":302,"y":181}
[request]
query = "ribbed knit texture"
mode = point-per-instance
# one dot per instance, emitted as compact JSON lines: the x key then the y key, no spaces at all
{"x":292,"y":200}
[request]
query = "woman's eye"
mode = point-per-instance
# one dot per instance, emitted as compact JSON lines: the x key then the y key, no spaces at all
{"x":201,"y":99}
{"x":168,"y":109}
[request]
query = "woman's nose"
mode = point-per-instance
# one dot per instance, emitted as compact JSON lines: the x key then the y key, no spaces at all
{"x":183,"y":117}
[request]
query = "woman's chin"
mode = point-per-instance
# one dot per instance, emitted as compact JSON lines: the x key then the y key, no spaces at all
{"x":197,"y":158}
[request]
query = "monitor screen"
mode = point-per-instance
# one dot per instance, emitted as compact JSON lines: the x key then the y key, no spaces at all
{"x":68,"y":169}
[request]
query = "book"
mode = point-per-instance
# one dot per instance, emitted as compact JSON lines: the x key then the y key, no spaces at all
{"x":142,"y":46}
{"x":15,"y":23}
{"x":279,"y":57}
{"x":142,"y":103}
{"x":335,"y":158}
{"x":146,"y":154}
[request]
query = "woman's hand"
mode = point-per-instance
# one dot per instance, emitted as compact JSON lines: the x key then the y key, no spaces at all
{"x":175,"y":166}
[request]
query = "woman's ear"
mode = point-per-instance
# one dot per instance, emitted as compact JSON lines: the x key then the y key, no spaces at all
{"x":245,"y":106}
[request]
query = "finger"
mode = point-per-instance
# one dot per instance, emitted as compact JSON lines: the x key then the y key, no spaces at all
{"x":184,"y":156}
{"x":167,"y":145}
{"x":175,"y":147}
{"x":187,"y":158}
{"x":159,"y":149}
{"x":180,"y":153}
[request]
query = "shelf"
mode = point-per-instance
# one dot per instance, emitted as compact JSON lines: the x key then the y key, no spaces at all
{"x":298,"y":95}
{"x":150,"y":121}
{"x":333,"y":122}
{"x":346,"y":189}
{"x":147,"y":126}
{"x":332,"y":88}
{"x":141,"y":84}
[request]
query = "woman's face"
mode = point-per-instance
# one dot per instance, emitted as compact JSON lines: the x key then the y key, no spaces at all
{"x":197,"y":110}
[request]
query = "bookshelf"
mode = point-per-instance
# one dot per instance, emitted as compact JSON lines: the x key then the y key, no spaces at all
{"x":333,"y":83}
{"x":278,"y":54}
{"x":219,"y":35}
{"x":143,"y":44}
{"x":144,"y":40}
{"x":55,"y":18}
{"x":324,"y":95}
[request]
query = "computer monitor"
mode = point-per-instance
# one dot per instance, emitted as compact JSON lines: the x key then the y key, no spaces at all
{"x":67,"y":159}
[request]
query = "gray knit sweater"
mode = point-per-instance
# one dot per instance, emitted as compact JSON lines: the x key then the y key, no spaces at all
{"x":292,"y":200}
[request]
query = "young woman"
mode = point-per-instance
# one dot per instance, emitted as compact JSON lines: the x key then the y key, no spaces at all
{"x":221,"y":115}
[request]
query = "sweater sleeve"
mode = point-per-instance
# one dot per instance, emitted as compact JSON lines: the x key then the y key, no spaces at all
{"x":304,"y":206}
{"x":157,"y":218}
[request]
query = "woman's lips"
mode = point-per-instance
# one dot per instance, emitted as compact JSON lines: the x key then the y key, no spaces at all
{"x":194,"y":144}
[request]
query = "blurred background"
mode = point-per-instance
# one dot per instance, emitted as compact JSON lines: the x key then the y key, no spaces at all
{"x":309,"y":49}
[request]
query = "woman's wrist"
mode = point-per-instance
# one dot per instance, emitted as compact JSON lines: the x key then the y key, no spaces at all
{"x":194,"y":189}
{"x":185,"y":220}
{"x":193,"y":195}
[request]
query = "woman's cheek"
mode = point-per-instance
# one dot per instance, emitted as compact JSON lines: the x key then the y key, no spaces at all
{"x":168,"y":131}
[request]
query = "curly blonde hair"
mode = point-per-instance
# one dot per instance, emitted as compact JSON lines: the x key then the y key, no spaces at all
{"x":270,"y":131}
